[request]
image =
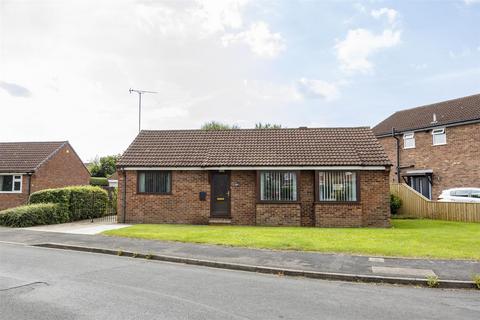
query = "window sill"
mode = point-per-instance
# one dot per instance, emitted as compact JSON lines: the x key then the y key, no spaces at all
{"x":10,"y":192}
{"x":153,"y":194}
{"x":278,"y":202}
{"x":352,"y":203}
{"x":408,"y":148}
{"x":439,"y":144}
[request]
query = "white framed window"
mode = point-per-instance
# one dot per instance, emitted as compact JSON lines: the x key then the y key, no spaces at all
{"x":337,"y":186}
{"x":439,"y":136}
{"x":408,"y":140}
{"x":278,"y":186}
{"x":10,"y":183}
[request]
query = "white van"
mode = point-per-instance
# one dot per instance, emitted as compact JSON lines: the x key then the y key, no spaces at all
{"x":460,"y":195}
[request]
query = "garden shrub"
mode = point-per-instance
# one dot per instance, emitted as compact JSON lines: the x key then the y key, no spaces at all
{"x":99,"y":181}
{"x":395,"y":203}
{"x":34,"y":214}
{"x":81,"y":202}
{"x":87,"y":202}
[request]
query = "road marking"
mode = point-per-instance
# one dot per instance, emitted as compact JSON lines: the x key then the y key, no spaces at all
{"x":17,"y":243}
{"x":376,"y":259}
{"x":404,"y":271}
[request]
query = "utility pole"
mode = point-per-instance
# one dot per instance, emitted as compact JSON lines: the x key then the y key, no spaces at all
{"x":140,"y":92}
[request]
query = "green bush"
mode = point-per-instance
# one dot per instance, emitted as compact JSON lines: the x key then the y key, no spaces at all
{"x":395,"y":203}
{"x":81,"y":202}
{"x":60,"y":196}
{"x":99,"y":181}
{"x":113,"y":200}
{"x":33,"y":215}
{"x":87,"y":202}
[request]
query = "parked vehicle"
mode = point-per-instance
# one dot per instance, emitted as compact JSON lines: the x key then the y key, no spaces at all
{"x":460,"y":195}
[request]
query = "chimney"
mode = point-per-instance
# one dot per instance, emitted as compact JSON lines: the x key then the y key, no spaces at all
{"x":434,"y":119}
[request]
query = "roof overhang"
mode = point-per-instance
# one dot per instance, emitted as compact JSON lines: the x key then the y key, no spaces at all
{"x":352,"y":168}
{"x":427,"y":128}
{"x":419,"y":172}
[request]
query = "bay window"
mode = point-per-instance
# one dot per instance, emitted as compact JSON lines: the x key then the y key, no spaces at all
{"x":155,"y":182}
{"x":337,"y":186}
{"x":280,"y":186}
{"x":11,"y":183}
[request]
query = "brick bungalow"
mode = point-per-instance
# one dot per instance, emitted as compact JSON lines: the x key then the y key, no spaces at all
{"x":26,"y":167}
{"x":434,"y":147}
{"x":324,"y":177}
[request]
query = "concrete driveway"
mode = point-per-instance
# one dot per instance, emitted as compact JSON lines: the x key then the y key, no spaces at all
{"x":81,"y":227}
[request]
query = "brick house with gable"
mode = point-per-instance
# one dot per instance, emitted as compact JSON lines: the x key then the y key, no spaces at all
{"x":325,"y":177}
{"x":434,"y":147}
{"x":26,"y":167}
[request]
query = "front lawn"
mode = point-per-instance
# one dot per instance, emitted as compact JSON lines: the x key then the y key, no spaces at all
{"x":407,"y":238}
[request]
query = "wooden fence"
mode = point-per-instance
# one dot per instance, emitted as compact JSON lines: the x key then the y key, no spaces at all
{"x":416,"y":205}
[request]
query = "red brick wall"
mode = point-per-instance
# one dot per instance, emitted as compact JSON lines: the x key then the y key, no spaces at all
{"x":307,"y":198}
{"x":65,"y":168}
{"x":243,"y":197}
{"x":10,"y":200}
{"x":184,"y":206}
{"x":455,"y":164}
{"x":373,"y":209}
{"x":278,"y":214}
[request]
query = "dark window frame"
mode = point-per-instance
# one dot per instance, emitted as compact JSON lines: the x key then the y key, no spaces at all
{"x":155,"y":193}
{"x":297,"y":176}
{"x":357,"y":185}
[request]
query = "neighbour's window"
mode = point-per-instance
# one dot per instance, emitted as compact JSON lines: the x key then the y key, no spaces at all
{"x":278,"y":186}
{"x":460,"y":193}
{"x":409,"y":140}
{"x":10,"y":183}
{"x":439,"y":136}
{"x":475,"y":194}
{"x":159,"y":182}
{"x":337,"y":186}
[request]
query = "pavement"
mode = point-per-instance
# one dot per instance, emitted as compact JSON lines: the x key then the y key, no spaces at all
{"x":81,"y":227}
{"x":40,"y":283}
{"x":309,"y":264}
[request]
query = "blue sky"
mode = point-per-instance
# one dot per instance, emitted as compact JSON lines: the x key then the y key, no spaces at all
{"x":66,"y":67}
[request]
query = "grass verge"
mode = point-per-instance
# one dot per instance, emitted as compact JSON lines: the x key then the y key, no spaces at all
{"x":407,"y":238}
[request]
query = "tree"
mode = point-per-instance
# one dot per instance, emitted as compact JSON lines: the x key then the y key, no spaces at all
{"x":260,"y":125}
{"x":103,"y":167}
{"x":214,"y":125}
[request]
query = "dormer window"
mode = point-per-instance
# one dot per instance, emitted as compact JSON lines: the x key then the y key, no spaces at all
{"x":408,"y":140}
{"x":439,"y":136}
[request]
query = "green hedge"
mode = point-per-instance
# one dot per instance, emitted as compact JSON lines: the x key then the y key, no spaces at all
{"x":33,"y":215}
{"x":99,"y":181}
{"x":82,"y":202}
{"x":88,"y":202}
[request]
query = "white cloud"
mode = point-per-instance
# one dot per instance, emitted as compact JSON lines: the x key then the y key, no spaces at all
{"x":313,"y":88}
{"x":261,"y":41}
{"x":355,"y":51}
{"x":391,"y":14}
{"x":469,"y":2}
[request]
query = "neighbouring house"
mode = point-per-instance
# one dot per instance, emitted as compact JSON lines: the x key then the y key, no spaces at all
{"x":434,"y":147}
{"x":26,"y":167}
{"x":113,"y":180}
{"x":324,"y":177}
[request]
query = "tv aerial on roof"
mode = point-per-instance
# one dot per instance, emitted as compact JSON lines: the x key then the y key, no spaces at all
{"x":140,"y":92}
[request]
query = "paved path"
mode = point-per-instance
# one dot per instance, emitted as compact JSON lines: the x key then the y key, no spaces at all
{"x":306,"y":261}
{"x":81,"y":227}
{"x":39,"y":283}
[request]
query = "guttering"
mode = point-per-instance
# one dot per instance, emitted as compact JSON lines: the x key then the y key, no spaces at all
{"x":397,"y":151}
{"x":326,"y":168}
{"x":450,"y":124}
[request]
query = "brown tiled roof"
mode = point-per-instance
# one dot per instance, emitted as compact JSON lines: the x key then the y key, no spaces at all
{"x":19,"y":157}
{"x":447,"y":112}
{"x":255,"y":147}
